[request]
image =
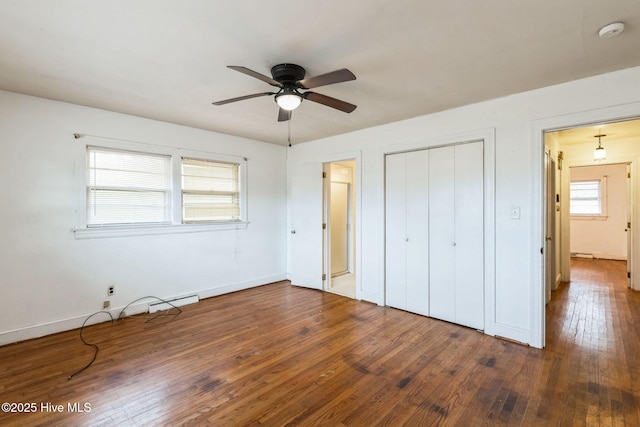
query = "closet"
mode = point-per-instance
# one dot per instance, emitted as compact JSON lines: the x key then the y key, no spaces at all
{"x":434,"y":205}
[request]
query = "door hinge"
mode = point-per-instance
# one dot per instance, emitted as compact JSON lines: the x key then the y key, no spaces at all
{"x":628,"y":275}
{"x":628,"y":174}
{"x":542,"y":251}
{"x":324,"y":174}
{"x":324,"y":277}
{"x":324,"y":226}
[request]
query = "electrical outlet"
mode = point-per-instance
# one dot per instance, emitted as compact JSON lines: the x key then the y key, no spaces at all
{"x":106,"y":304}
{"x":111,"y":290}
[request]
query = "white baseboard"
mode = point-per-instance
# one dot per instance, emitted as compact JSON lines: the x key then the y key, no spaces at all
{"x":241,"y":286}
{"x":373,"y":297}
{"x":513,"y":334}
{"x":48,"y":328}
{"x":610,"y":256}
{"x":175,"y":302}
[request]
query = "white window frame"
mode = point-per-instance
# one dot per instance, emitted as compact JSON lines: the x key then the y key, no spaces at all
{"x":602,"y":199}
{"x":82,"y":231}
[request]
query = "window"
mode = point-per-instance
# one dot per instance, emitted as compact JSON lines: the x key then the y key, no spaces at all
{"x":126,"y":187}
{"x":210,"y":191}
{"x":587,"y":198}
{"x":134,"y":189}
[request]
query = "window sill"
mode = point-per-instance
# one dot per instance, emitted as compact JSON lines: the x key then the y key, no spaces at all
{"x":99,"y":233}
{"x":589,"y":217}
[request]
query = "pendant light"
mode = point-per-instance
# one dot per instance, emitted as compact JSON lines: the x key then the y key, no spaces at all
{"x":599,"y":153}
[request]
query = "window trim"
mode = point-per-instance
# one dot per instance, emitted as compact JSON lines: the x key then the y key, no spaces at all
{"x":83,"y":231}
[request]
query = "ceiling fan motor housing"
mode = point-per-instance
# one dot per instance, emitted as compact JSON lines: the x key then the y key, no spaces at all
{"x":287,"y":73}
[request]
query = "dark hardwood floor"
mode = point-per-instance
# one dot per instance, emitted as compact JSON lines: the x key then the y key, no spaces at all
{"x":280,"y":355}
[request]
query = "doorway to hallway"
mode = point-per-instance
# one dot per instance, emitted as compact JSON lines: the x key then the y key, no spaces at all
{"x":339,"y":224}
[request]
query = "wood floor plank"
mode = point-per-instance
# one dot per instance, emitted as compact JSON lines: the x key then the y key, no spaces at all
{"x":282,"y":355}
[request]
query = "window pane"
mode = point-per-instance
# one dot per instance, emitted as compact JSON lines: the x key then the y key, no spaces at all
{"x":210,"y":191}
{"x":126,"y":207}
{"x":585,"y":198}
{"x":127,"y":169}
{"x":127,"y":187}
{"x":203,"y":175}
{"x":203,"y":207}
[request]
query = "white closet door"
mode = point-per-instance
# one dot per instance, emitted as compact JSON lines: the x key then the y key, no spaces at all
{"x":417,"y":226}
{"x":395,"y":211}
{"x":442,"y":293}
{"x":469,"y":234}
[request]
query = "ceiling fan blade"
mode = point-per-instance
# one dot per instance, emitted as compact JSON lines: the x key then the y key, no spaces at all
{"x":242,"y":98}
{"x":337,"y":76}
{"x":329,"y":101}
{"x":256,"y":75}
{"x":284,"y":115}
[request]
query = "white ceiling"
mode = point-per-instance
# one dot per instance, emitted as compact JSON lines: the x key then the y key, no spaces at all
{"x":166,"y":59}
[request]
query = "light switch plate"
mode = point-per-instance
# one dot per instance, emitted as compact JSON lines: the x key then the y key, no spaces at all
{"x":514,"y":212}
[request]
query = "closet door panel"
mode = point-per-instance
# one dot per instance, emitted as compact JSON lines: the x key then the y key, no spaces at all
{"x":395,"y":235}
{"x":417,"y":244}
{"x":469,"y":220}
{"x":442,"y":297}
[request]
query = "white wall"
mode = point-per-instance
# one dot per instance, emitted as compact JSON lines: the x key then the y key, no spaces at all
{"x":50,"y":281}
{"x":603,"y":237}
{"x":518,"y":312}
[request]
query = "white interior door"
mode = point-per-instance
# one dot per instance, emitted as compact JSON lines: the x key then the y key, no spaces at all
{"x":306,"y":225}
{"x":628,"y":229}
{"x":550,"y":225}
{"x":395,"y":231}
{"x":469,"y":234}
{"x":339,"y":225}
{"x":442,"y":293}
{"x":417,"y":225}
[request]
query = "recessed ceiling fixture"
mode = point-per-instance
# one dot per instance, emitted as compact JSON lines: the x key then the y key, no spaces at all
{"x":599,"y":153}
{"x":611,"y":30}
{"x":290,"y":78}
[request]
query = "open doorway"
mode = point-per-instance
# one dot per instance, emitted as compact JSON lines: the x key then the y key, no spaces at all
{"x":340,"y":216}
{"x":595,"y":196}
{"x":599,"y":211}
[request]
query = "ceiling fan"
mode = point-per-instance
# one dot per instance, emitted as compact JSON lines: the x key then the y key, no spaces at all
{"x":290,"y":78}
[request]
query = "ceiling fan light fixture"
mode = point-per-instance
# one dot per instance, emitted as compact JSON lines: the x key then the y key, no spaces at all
{"x":289,"y":100}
